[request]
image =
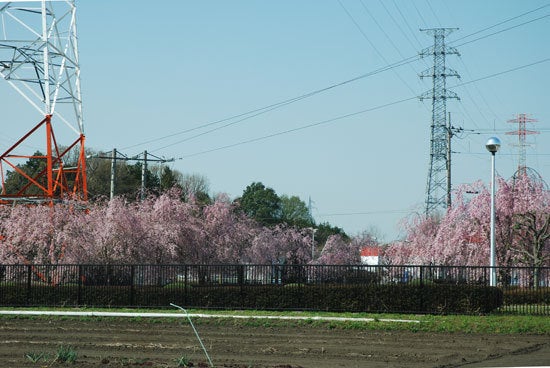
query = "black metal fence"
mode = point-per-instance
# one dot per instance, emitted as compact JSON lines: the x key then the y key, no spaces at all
{"x":525,"y":290}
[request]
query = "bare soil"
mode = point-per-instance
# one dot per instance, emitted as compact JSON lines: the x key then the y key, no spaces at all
{"x":123,"y":342}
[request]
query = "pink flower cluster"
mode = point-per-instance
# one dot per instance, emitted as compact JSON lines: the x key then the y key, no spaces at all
{"x":461,"y":236}
{"x":158,"y":230}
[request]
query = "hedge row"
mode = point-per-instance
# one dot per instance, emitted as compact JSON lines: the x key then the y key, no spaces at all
{"x":517,"y":296}
{"x":444,"y":299}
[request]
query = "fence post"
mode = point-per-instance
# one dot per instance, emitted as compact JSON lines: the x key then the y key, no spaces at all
{"x":240,"y":280}
{"x":79,"y":291}
{"x":29,"y":278}
{"x":185,"y":284}
{"x":421,"y":287}
{"x":132,"y":287}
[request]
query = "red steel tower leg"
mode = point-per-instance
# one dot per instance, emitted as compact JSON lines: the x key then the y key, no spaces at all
{"x":53,"y":183}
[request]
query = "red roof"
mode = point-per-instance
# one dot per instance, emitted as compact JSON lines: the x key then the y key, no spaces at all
{"x":370,"y":251}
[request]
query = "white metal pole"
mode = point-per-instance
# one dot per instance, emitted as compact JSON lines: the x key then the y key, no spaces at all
{"x":144,"y":175}
{"x":46,"y":62}
{"x":493,"y":275}
{"x":113,"y":174}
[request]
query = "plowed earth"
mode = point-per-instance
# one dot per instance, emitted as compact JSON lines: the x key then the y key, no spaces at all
{"x":130,"y":343}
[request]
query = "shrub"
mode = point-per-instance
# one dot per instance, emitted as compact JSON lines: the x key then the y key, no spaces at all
{"x":515,"y":296}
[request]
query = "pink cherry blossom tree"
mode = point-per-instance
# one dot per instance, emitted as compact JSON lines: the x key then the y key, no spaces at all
{"x":35,"y":234}
{"x":531,"y":222}
{"x":280,"y":244}
{"x":461,"y":236}
{"x":416,"y":247}
{"x":337,"y":251}
{"x":227,"y":232}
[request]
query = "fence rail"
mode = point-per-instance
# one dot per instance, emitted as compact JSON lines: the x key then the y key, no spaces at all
{"x":526,"y":290}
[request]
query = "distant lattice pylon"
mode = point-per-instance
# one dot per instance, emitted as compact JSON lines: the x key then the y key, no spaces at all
{"x":438,"y":183}
{"x":522,"y":133}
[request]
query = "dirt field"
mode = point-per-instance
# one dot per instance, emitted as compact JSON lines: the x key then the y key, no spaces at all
{"x":120,"y":343}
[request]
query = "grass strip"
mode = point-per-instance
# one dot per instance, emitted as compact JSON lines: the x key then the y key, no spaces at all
{"x":489,"y":324}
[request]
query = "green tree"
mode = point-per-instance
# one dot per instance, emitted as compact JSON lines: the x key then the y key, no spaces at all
{"x":14,"y":181}
{"x":167,"y":178}
{"x":295,"y":212}
{"x":325,"y":230}
{"x":98,"y":174}
{"x":261,"y":203}
{"x":127,"y":178}
{"x":152,"y":181}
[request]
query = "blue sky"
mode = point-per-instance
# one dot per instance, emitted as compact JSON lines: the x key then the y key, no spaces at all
{"x":151,"y":71}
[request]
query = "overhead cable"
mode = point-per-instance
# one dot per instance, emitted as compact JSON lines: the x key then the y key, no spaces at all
{"x":327,"y":121}
{"x":323,"y":122}
{"x":262,"y":110}
{"x":500,"y":23}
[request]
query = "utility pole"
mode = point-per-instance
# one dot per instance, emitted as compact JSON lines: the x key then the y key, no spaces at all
{"x":449,"y":152}
{"x":113,"y":174}
{"x":438,"y":184}
{"x":143,"y":175}
{"x":114,"y":157}
{"x":145,"y":159}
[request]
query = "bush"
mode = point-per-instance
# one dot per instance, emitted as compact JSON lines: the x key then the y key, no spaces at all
{"x":388,"y":298}
{"x":442,"y":299}
{"x":515,"y":296}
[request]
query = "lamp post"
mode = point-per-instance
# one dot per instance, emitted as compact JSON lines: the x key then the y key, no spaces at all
{"x":492,"y":145}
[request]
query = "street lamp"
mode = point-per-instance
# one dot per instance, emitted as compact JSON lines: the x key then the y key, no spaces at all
{"x":492,"y":145}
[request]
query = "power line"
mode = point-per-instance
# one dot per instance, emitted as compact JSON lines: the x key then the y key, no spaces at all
{"x":419,"y":14}
{"x":361,"y":31}
{"x":262,"y":110}
{"x":503,"y":130}
{"x":500,"y":73}
{"x":404,"y":21}
{"x":275,"y":106}
{"x":271,"y":107}
{"x":370,"y":42}
{"x":434,"y":13}
{"x":390,"y":41}
{"x":465,"y":67}
{"x":299,"y":128}
{"x":328,"y":121}
{"x":362,"y":213}
{"x":500,"y":23}
{"x":502,"y":30}
{"x":502,"y":154}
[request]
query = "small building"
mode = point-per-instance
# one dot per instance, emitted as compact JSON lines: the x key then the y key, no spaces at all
{"x":370,"y":256}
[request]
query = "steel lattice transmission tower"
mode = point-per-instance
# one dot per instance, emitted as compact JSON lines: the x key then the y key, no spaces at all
{"x":39,"y":59}
{"x":438,"y":184}
{"x":522,"y":132}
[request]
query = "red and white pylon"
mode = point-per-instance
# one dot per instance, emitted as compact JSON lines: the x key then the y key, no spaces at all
{"x":39,"y":59}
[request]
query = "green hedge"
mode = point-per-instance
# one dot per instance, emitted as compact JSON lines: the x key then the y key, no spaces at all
{"x":516,"y":296}
{"x":431,"y":298}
